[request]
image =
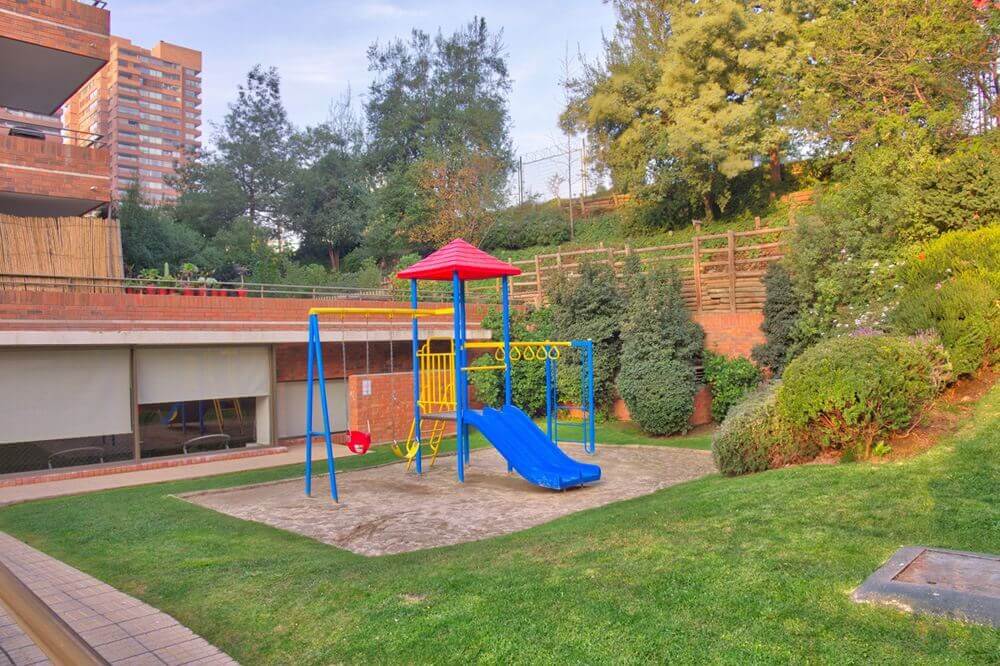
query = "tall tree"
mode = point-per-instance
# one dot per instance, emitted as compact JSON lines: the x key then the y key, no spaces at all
{"x":896,"y":58}
{"x":692,"y":91}
{"x":254,"y":146}
{"x":436,"y":113}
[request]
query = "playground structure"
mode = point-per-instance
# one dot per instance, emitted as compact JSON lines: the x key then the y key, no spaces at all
{"x":440,"y":382}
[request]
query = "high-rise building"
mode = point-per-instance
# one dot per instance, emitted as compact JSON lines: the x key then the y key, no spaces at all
{"x":48,"y":49}
{"x":147,"y":105}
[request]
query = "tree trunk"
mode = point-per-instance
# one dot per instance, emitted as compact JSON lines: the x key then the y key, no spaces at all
{"x":775,"y":160}
{"x":708,"y":201}
{"x":334,"y":256}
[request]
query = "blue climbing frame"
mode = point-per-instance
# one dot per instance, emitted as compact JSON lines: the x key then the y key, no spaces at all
{"x":585,"y":425}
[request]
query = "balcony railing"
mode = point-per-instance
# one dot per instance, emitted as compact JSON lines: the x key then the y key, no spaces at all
{"x":173,"y":287}
{"x":38,"y":132}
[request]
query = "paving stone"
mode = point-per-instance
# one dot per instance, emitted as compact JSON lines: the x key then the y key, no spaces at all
{"x":122,"y":628}
{"x":116,"y":650}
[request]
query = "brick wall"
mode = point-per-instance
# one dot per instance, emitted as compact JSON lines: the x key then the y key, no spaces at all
{"x":50,"y":168}
{"x":702,"y":414}
{"x":34,"y":310}
{"x":65,"y":25}
{"x":389,"y":414}
{"x":291,"y":359}
{"x":731,"y":334}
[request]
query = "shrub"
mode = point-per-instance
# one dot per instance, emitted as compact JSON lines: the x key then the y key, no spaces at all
{"x":589,"y":307}
{"x":660,"y":347}
{"x":952,"y":286}
{"x":729,"y":380}
{"x":845,"y":393}
{"x":781,"y":309}
{"x":527,"y":226}
{"x":527,"y":377}
{"x":659,"y":391}
{"x":753,"y":437}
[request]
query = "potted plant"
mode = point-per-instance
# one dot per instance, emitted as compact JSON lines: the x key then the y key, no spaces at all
{"x":210,"y":284}
{"x":201,"y":289}
{"x":241,"y":291}
{"x":151,"y":277}
{"x":167,"y":283}
{"x":187,"y":274}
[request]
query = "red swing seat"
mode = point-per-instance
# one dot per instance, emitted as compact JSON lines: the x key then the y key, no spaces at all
{"x":358,"y":442}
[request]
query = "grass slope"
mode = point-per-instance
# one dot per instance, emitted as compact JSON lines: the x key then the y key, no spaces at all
{"x":754,"y":569}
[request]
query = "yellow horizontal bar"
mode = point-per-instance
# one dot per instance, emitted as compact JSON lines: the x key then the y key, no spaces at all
{"x":473,"y":368}
{"x":498,"y":345}
{"x":388,"y":312}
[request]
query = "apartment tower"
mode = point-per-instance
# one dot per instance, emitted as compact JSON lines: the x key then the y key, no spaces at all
{"x":48,"y":49}
{"x":146,"y":103}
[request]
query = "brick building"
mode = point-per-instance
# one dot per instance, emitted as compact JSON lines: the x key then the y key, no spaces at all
{"x":95,"y":379}
{"x":48,"y":49}
{"x":146,"y":103}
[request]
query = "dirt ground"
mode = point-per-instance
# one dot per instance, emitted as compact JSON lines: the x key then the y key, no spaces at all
{"x":385,"y":510}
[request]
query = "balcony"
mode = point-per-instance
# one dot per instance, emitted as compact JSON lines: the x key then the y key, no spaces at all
{"x":49,"y":172}
{"x":48,"y":49}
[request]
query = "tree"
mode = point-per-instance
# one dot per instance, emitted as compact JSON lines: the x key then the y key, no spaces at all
{"x":443,"y":100}
{"x":660,"y":347}
{"x":210,"y":198}
{"x":459,"y":199}
{"x":695,"y":91}
{"x":589,"y":307}
{"x":150,"y":237}
{"x":254,"y":147}
{"x":439,"y":95}
{"x":328,"y":202}
{"x":908,"y":58}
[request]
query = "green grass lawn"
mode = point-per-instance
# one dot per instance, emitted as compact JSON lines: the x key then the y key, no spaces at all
{"x":749,"y":570}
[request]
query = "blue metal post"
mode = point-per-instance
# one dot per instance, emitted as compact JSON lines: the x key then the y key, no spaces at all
{"x":548,"y":399}
{"x":590,"y":395}
{"x":456,"y":297}
{"x":310,"y":378}
{"x":416,"y":377}
{"x":508,"y":391}
{"x":326,"y":411}
{"x":465,"y":392}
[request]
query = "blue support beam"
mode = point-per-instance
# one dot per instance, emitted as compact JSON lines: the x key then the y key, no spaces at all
{"x":416,"y":376}
{"x":460,"y":392}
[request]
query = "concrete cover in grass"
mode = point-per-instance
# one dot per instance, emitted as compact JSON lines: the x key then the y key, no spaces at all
{"x":961,"y":585}
{"x":386,"y":510}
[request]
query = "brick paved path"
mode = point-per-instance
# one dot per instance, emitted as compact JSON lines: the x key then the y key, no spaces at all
{"x":121,"y":628}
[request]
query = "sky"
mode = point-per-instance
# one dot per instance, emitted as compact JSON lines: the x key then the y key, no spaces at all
{"x":319,"y":48}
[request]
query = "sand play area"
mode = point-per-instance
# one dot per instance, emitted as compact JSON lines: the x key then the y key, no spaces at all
{"x":385,"y":510}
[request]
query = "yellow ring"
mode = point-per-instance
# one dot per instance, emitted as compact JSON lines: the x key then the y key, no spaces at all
{"x":530,"y":354}
{"x":515,"y":354}
{"x":498,"y":354}
{"x":554,"y":353}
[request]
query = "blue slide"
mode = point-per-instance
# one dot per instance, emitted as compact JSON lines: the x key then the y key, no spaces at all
{"x":528,"y":449}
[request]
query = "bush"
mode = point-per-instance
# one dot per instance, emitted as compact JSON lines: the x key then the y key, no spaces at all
{"x":660,"y":348}
{"x":527,"y":377}
{"x":729,"y":380}
{"x":527,"y":226}
{"x":752,"y":438}
{"x":952,"y":286}
{"x":659,"y":391}
{"x":589,"y":307}
{"x":847,"y":392}
{"x":781,"y":309}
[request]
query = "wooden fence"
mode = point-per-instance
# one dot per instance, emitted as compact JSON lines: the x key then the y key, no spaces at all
{"x":720,"y":272}
{"x":67,"y":246}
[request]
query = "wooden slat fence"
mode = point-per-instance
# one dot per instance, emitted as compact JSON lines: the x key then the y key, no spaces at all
{"x":67,"y":246}
{"x":720,"y":272}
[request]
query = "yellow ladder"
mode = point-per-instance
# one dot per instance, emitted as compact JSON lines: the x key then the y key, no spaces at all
{"x":437,"y":394}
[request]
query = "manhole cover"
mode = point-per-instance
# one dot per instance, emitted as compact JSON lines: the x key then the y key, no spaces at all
{"x":964,"y":586}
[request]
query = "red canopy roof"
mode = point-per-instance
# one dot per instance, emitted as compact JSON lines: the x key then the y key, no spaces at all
{"x":470,"y":262}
